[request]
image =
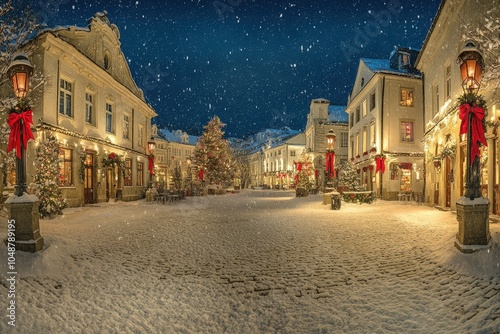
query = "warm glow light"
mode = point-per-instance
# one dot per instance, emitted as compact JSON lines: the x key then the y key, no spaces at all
{"x":471,"y":67}
{"x":19,"y":73}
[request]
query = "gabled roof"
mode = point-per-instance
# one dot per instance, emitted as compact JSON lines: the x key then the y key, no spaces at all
{"x":383,"y":66}
{"x":178,"y":136}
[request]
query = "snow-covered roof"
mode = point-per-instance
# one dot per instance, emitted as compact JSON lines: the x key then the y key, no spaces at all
{"x":337,"y":114}
{"x":268,"y":138}
{"x":178,"y":136}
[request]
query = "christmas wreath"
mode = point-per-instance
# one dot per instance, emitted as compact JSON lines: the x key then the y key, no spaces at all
{"x":111,"y":160}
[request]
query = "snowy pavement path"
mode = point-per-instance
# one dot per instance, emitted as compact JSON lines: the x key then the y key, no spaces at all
{"x":254,"y":262}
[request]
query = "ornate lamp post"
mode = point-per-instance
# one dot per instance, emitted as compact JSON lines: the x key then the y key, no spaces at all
{"x":330,"y":155}
{"x":472,"y":208}
{"x":23,"y":208}
{"x":151,"y":150}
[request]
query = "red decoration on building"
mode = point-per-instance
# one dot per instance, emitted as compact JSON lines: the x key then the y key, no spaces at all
{"x":16,"y":121}
{"x":151,"y":164}
{"x":380,"y":164}
{"x":477,"y":128}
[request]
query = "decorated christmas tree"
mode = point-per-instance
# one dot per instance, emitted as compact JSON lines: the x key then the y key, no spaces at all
{"x":304,"y":171}
{"x":213,"y":156}
{"x":47,"y":178}
{"x":349,"y":177}
{"x":177,"y":176}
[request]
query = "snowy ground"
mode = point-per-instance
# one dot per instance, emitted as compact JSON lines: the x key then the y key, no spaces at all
{"x":254,"y":262}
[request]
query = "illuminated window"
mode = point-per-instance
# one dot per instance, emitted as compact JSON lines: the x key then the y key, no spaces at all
{"x":407,"y":131}
{"x":65,"y":161}
{"x":406,"y":97}
{"x":140,"y":174}
{"x":126,"y":126}
{"x":109,"y":118}
{"x":128,"y":172}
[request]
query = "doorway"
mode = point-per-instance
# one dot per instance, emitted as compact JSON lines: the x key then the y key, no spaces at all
{"x":88,"y":179}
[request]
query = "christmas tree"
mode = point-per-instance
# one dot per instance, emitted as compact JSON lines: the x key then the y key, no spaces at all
{"x":349,"y":177}
{"x":177,"y":176}
{"x":213,"y":156}
{"x":47,"y":178}
{"x":305,"y":170}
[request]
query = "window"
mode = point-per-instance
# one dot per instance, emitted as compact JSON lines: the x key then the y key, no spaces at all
{"x":344,"y":139}
{"x":407,"y":131}
{"x":352,"y":147}
{"x":292,"y":153}
{"x":140,"y":174}
{"x":140,"y":136}
{"x":357,"y":144}
{"x":448,"y":81}
{"x":65,"y":161}
{"x":364,"y":140}
{"x":372,"y":101}
{"x":364,"y":108}
{"x":406,"y":97}
{"x":436,"y":99}
{"x":106,"y":61}
{"x":351,"y":119}
{"x":357,"y":114}
{"x":89,"y":108}
{"x":65,"y":98}
{"x":109,"y":118}
{"x":404,"y":60}
{"x":394,"y":169}
{"x":127,"y":179}
{"x":126,"y":126}
{"x":372,"y":134}
{"x":362,"y":82}
{"x":405,"y":180}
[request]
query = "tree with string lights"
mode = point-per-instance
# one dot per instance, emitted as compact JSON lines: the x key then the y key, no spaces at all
{"x":213,"y":155}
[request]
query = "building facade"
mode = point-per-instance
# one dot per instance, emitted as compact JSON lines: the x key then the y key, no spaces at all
{"x":91,"y":104}
{"x":445,"y":148}
{"x":321,"y":119}
{"x":385,"y":111}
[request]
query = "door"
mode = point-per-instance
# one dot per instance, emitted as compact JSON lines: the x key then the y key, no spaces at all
{"x":447,"y":167}
{"x":88,"y":179}
{"x":436,"y":193}
{"x":109,"y":182}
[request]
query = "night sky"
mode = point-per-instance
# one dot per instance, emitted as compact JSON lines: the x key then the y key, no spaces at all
{"x":255,"y":64}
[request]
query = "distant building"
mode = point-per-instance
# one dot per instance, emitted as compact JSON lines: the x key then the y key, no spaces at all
{"x":173,"y":148}
{"x":91,"y":103}
{"x":385,"y":111}
{"x":321,"y":119}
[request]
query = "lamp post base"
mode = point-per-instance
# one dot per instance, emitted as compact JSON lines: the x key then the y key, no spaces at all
{"x":473,"y":224}
{"x":23,"y":210}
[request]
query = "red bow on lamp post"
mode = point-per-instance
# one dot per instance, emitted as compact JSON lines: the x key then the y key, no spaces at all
{"x":477,"y":129}
{"x":19,"y":123}
{"x":330,"y":163}
{"x":151,"y":164}
{"x":380,"y":164}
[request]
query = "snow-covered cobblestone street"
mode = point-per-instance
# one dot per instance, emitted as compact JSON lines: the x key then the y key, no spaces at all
{"x":254,"y":262}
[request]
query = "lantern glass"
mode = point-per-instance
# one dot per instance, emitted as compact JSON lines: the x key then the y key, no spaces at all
{"x":330,"y":139}
{"x":20,"y":83}
{"x":151,"y":146}
{"x":471,"y":68}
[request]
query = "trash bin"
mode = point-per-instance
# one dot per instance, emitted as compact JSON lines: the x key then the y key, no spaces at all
{"x":335,"y":201}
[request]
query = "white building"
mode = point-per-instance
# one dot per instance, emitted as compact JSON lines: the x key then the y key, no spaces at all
{"x":385,"y":111}
{"x":91,"y":103}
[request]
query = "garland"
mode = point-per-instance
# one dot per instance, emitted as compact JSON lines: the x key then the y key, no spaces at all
{"x":113,"y":159}
{"x":354,"y":197}
{"x":83,"y":158}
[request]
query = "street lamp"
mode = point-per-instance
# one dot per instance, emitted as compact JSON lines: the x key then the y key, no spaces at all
{"x":23,"y":208}
{"x":471,"y":69}
{"x":330,"y":154}
{"x":151,"y":149}
{"x":472,"y":208}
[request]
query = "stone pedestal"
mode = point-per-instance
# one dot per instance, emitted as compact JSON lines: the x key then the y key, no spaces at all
{"x":24,"y":211}
{"x":473,"y":224}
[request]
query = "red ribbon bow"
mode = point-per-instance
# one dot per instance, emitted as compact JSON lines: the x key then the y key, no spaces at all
{"x":477,"y":128}
{"x":151,"y":164}
{"x":380,"y":162}
{"x":16,"y":121}
{"x":330,"y":163}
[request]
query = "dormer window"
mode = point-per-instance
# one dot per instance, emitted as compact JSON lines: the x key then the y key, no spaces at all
{"x":362,"y":82}
{"x":404,"y":60}
{"x":106,"y":61}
